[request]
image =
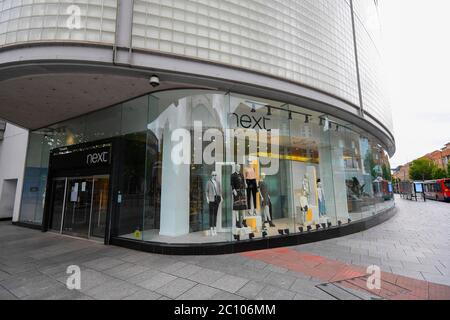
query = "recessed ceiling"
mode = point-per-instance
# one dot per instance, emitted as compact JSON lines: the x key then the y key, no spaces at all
{"x":40,"y":100}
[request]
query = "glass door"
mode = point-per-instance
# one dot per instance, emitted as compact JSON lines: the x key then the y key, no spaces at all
{"x":100,"y":197}
{"x":78,"y":206}
{"x":58,"y":203}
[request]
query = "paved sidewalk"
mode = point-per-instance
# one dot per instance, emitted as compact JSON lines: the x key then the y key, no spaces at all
{"x":415,"y":245}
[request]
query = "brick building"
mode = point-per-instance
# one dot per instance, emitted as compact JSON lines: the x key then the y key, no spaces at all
{"x":440,"y":158}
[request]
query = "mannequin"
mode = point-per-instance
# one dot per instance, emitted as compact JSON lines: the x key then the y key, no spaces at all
{"x":214,"y":198}
{"x":306,"y":187}
{"x":321,"y":195}
{"x":252,"y":187}
{"x":304,"y":198}
{"x":239,"y":200}
{"x":266,"y":204}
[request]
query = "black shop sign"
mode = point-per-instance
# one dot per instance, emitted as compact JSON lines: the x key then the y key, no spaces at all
{"x":82,"y":159}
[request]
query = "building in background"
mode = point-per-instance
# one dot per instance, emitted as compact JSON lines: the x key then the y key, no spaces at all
{"x":402,"y":172}
{"x":440,"y":157}
{"x":104,"y":86}
{"x":13,"y":148}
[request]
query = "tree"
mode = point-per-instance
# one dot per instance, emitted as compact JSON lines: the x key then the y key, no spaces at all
{"x":370,"y":165}
{"x":438,"y":173}
{"x":421,"y":169}
{"x":387,"y":175}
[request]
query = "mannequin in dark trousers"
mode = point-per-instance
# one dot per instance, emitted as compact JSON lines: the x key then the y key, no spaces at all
{"x":214,"y":198}
{"x":252,"y":186}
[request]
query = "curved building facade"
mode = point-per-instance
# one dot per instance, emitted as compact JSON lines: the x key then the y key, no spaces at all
{"x":268,"y":121}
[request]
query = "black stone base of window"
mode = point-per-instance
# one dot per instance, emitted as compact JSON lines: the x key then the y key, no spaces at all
{"x":28,"y":225}
{"x":257,"y":244}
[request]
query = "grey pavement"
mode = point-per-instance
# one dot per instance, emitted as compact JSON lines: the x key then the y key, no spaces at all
{"x":33,"y":264}
{"x":415,"y":243}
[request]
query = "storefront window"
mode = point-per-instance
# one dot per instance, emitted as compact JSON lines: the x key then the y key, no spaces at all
{"x":199,"y":166}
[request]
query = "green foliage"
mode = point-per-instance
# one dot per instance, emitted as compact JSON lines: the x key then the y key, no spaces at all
{"x":448,"y":169}
{"x":439,"y":173}
{"x":387,"y":175}
{"x":422,"y":169}
{"x":369,"y":164}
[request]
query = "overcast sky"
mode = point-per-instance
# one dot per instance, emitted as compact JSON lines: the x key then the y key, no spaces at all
{"x":416,"y":47}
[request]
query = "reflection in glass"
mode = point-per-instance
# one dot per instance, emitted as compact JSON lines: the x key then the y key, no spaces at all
{"x":301,"y":171}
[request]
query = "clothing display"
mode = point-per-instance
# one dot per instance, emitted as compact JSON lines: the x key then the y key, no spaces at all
{"x":306,"y":187}
{"x":238,"y":185}
{"x":264,"y":191}
{"x":266,"y":204}
{"x":214,"y":197}
{"x":213,"y":209}
{"x":321,"y":198}
{"x":249,"y":173}
{"x":252,"y":189}
{"x":213,"y":191}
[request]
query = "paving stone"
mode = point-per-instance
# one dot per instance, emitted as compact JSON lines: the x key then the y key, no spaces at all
{"x":156,"y":281}
{"x":103,"y":263}
{"x":16,"y":269}
{"x":407,"y":273}
{"x":176,"y":288}
{"x":443,"y":270}
{"x":439,"y":279}
{"x":199,"y":292}
{"x":303,"y":297}
{"x":223,"y":295}
{"x":251,"y":289}
{"x":125,"y":271}
{"x":255,"y":264}
{"x":175,"y":267}
{"x":143,"y":294}
{"x":136,"y":256}
{"x":6,"y":295}
{"x":161,"y":263}
{"x":229,"y":283}
{"x":280,"y":280}
{"x":309,"y":288}
{"x":206,"y":276}
{"x":58,"y":292}
{"x":276,"y":269}
{"x":411,"y":266}
{"x":275,"y":293}
{"x":185,"y":271}
{"x":31,"y":286}
{"x":113,"y":290}
{"x":4,"y":275}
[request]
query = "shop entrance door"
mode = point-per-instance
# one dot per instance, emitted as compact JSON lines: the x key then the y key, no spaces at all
{"x":80,"y":205}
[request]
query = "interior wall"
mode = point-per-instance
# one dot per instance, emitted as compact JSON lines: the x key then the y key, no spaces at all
{"x":13,"y":150}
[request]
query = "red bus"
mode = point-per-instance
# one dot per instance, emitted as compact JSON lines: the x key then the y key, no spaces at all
{"x":438,"y":190}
